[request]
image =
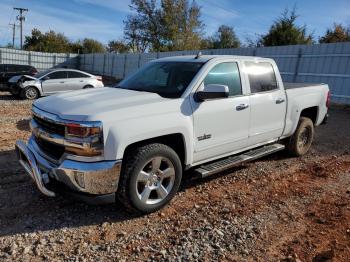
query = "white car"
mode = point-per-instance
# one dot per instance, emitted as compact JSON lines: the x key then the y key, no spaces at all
{"x":134,"y":141}
{"x":51,"y":82}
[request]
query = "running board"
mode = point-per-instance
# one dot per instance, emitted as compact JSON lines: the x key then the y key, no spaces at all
{"x":220,"y":165}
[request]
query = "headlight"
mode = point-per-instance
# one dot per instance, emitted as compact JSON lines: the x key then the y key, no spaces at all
{"x":78,"y":130}
{"x":85,"y":139}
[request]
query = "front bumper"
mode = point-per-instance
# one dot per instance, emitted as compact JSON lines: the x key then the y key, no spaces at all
{"x":93,"y":179}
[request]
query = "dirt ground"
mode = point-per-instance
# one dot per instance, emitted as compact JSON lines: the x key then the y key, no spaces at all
{"x":275,"y":209}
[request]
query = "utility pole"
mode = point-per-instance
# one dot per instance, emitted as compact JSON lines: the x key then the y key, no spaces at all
{"x":13,"y":34}
{"x":21,"y":18}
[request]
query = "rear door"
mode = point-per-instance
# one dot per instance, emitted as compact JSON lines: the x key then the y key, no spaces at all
{"x":267,"y":101}
{"x":55,"y":82}
{"x":77,"y":80}
{"x":221,"y":125}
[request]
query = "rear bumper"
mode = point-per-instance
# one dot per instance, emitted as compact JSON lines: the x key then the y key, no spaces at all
{"x":83,"y":180}
{"x":325,"y":119}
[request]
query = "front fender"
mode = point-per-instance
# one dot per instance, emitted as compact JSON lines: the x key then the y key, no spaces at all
{"x":131,"y":131}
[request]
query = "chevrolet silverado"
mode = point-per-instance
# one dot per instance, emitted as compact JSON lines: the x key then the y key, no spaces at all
{"x":132,"y":142}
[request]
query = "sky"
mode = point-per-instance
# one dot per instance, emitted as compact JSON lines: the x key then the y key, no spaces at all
{"x":103,"y":19}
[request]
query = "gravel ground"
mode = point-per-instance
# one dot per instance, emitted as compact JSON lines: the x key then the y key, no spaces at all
{"x":275,"y":209}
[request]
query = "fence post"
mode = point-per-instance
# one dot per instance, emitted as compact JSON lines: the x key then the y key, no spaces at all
{"x":124,"y":66}
{"x":54,"y":60}
{"x":29,"y":58}
{"x":0,"y":56}
{"x":112,"y":67}
{"x":254,"y":51}
{"x":93,"y":64}
{"x":139,"y":61}
{"x":77,"y":62}
{"x":104,"y":64}
{"x":296,"y":71}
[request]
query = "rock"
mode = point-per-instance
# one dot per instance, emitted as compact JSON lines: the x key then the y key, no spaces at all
{"x":324,"y":256}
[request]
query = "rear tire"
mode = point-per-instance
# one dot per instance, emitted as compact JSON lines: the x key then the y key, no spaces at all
{"x":29,"y":93}
{"x":300,"y":142}
{"x":150,"y":178}
{"x":88,"y":86}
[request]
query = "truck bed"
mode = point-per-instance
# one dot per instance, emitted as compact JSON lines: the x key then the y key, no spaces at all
{"x":299,"y":85}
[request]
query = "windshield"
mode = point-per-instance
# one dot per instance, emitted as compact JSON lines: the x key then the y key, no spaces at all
{"x":42,"y":73}
{"x":168,"y":79}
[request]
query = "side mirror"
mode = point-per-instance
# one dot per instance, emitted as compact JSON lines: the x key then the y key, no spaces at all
{"x":45,"y":78}
{"x":212,"y":91}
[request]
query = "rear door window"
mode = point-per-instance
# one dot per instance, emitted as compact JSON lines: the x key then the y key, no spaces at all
{"x":225,"y":74}
{"x":73,"y":74}
{"x":261,"y":76}
{"x":58,"y":75}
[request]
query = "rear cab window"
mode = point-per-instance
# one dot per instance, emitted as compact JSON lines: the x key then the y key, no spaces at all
{"x":226,"y":73}
{"x":262,"y":77}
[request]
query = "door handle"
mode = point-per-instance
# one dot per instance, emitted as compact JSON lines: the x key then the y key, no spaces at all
{"x":62,"y":82}
{"x":81,"y":81}
{"x":280,"y":101}
{"x":242,"y":107}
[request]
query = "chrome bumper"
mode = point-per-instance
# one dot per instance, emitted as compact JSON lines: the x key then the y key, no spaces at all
{"x":95,"y":178}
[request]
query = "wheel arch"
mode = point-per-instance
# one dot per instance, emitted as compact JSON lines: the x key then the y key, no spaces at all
{"x":33,"y":86}
{"x":175,"y":141}
{"x":310,"y":112}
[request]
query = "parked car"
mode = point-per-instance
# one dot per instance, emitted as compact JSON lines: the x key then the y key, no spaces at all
{"x":51,"y":82}
{"x":9,"y":70}
{"x":134,"y":141}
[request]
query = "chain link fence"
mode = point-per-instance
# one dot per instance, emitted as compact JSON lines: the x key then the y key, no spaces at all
{"x":41,"y":61}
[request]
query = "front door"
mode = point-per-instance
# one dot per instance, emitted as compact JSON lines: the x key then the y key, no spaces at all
{"x":221,"y":125}
{"x":267,"y":102}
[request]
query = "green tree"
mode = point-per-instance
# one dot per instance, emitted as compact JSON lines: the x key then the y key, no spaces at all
{"x":50,"y":42}
{"x":136,"y":34}
{"x":174,"y":25}
{"x":118,"y":47}
{"x":89,"y":45}
{"x":285,"y":31}
{"x":182,"y":26}
{"x":144,"y":27}
{"x":338,"y":33}
{"x":225,"y":37}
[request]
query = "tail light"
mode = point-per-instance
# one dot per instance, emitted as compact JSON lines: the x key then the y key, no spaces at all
{"x":328,"y":101}
{"x":99,"y":78}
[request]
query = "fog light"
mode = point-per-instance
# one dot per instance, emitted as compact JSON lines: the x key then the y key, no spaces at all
{"x":79,"y":178}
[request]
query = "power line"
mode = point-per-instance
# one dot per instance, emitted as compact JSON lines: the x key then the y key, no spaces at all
{"x":21,"y":18}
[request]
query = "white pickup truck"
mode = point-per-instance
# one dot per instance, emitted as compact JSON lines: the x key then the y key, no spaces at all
{"x":133,"y":142}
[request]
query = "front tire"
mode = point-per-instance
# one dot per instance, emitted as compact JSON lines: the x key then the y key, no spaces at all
{"x":29,"y":93}
{"x":150,"y":178}
{"x":300,"y":142}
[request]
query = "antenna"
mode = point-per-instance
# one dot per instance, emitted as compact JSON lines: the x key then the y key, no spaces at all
{"x":21,"y":18}
{"x":198,"y":55}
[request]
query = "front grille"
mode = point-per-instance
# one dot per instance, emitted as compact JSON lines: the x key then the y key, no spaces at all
{"x":52,"y":150}
{"x":50,"y":126}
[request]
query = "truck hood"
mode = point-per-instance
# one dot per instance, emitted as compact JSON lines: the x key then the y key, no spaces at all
{"x":101,"y":104}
